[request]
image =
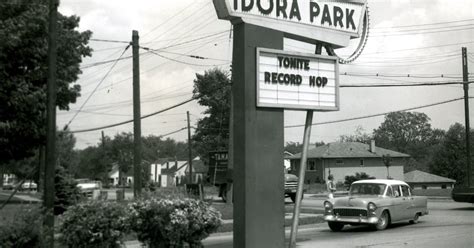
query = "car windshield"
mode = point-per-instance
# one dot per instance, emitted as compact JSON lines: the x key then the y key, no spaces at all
{"x":367,"y":189}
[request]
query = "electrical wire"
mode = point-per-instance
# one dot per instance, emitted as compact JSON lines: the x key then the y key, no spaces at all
{"x":92,"y":93}
{"x":380,"y":114}
{"x":399,"y":85}
{"x":130,"y":121}
{"x":426,"y":24}
{"x":111,"y":41}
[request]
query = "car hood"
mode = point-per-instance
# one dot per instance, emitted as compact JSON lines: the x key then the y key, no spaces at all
{"x":354,"y":201}
{"x":290,"y":178}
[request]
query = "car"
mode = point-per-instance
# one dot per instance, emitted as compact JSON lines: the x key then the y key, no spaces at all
{"x":29,"y":185}
{"x":376,"y":203}
{"x":87,"y":186}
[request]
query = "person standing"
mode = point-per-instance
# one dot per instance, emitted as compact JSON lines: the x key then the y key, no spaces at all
{"x":331,"y":186}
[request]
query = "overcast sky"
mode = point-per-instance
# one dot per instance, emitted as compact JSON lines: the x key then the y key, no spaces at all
{"x":422,"y":38}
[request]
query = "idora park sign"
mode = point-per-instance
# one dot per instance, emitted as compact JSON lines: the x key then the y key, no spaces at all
{"x":330,"y":21}
{"x":266,"y":80}
{"x":297,"y":81}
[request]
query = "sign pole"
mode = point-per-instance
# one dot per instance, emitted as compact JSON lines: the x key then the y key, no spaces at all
{"x":301,"y":174}
{"x":299,"y":193}
{"x":258,"y":138}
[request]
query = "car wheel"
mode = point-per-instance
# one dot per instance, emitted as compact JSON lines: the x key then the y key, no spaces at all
{"x":293,"y":198}
{"x":415,"y":219}
{"x":383,"y":222}
{"x":335,"y":226}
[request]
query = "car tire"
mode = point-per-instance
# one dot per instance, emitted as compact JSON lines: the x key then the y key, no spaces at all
{"x":293,"y":197}
{"x":415,"y":219}
{"x":335,"y":226}
{"x":384,"y":221}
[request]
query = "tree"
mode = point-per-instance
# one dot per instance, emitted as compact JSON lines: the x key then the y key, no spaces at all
{"x":359,"y":136}
{"x":23,"y":73}
{"x":411,"y":133}
{"x":213,"y":91}
{"x":450,"y":157}
{"x":358,"y":176}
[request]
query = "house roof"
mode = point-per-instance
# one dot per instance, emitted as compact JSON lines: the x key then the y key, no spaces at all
{"x":417,"y":176}
{"x":349,"y":150}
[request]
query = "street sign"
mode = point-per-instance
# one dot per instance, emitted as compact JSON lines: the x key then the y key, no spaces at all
{"x":292,"y":80}
{"x":330,"y":21}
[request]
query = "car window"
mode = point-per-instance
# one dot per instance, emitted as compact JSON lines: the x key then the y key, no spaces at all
{"x":396,"y":191}
{"x":389,"y":191}
{"x":405,"y":190}
{"x":367,"y":189}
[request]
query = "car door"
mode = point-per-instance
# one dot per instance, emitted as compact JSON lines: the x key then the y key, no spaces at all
{"x":398,"y":204}
{"x":408,"y":202}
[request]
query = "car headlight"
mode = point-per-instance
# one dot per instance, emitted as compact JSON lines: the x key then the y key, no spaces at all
{"x":371,"y":207}
{"x":328,"y":206}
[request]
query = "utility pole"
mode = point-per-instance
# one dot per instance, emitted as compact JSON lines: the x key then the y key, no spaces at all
{"x":190,"y":151}
{"x":465,"y":78}
{"x":137,"y":148}
{"x":51,"y":126}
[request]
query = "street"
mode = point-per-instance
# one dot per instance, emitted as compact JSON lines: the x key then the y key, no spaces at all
{"x":449,"y":224}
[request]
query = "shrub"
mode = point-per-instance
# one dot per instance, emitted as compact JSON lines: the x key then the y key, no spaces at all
{"x":66,"y":191}
{"x":24,"y":230}
{"x":94,"y":224}
{"x":170,"y":223}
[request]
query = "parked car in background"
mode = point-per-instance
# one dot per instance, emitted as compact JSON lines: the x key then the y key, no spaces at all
{"x":87,"y":186}
{"x":374,"y":202}
{"x":29,"y":185}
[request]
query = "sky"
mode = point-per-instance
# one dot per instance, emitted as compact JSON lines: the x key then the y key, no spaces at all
{"x":420,"y":38}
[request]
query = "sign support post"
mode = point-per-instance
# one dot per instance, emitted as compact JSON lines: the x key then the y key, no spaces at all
{"x":257,"y":147}
{"x":302,"y":172}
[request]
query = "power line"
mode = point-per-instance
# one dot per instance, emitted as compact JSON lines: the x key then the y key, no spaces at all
{"x":376,"y":115}
{"x":398,"y":85}
{"x":183,"y":62}
{"x":401,"y":75}
{"x":426,"y":24}
{"x":111,"y":41}
{"x":92,"y":93}
{"x":182,"y":54}
{"x":129,"y":121}
{"x":416,"y":33}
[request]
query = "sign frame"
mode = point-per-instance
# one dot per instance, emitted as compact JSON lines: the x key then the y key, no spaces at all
{"x":295,"y":30}
{"x":297,"y":106}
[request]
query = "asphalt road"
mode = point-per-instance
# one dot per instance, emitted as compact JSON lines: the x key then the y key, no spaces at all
{"x":449,"y":224}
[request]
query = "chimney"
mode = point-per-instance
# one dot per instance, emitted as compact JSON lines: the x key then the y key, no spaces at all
{"x":372,"y":146}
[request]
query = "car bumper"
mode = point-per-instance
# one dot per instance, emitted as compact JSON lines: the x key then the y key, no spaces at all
{"x":352,"y":220}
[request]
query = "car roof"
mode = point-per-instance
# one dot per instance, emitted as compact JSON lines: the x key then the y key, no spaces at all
{"x":382,"y":181}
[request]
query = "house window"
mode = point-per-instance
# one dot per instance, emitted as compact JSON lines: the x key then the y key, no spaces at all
{"x":339,"y":162}
{"x":424,"y":187}
{"x":361,"y":162}
{"x":443,"y":186}
{"x":311,"y":166}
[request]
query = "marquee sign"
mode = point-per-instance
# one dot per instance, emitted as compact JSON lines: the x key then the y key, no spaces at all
{"x":293,"y":80}
{"x":331,"y":21}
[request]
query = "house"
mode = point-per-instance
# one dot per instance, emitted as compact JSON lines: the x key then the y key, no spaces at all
{"x":172,"y":173}
{"x":343,"y":159}
{"x":113,"y":176}
{"x":423,"y":180}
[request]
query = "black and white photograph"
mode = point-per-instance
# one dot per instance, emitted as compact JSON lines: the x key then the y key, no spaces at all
{"x":236,"y":123}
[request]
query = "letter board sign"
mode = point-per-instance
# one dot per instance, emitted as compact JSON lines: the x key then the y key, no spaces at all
{"x":331,"y":21}
{"x":292,"y":80}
